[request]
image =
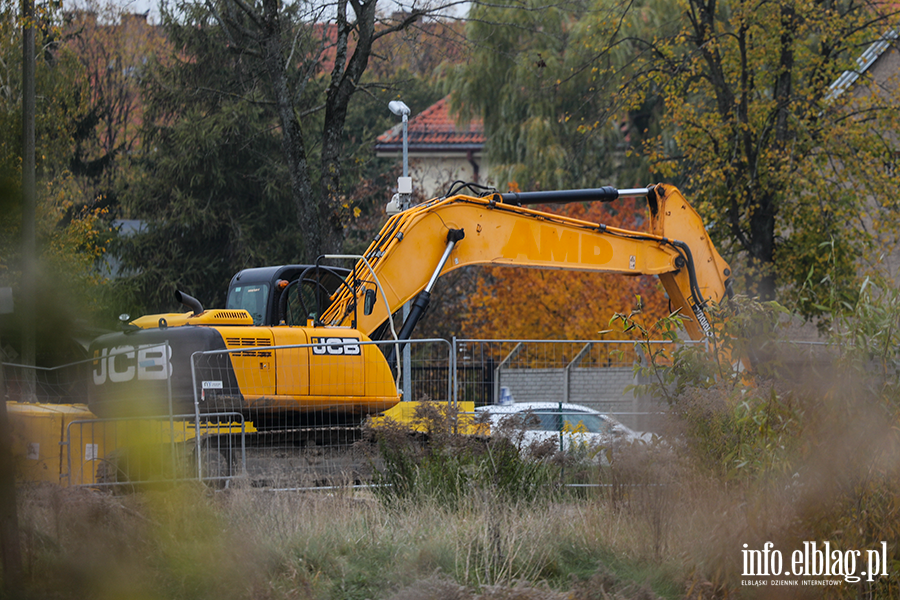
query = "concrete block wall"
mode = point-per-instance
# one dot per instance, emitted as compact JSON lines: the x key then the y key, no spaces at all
{"x":533,"y":385}
{"x":600,"y":385}
{"x":602,"y":389}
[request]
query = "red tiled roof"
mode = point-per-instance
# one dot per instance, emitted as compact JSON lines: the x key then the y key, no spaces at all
{"x":434,"y":129}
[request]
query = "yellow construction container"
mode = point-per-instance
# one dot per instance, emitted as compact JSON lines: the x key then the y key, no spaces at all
{"x":37,"y":432}
{"x":67,"y":444}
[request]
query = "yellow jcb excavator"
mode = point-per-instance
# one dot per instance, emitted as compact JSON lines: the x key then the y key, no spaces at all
{"x":333,"y":310}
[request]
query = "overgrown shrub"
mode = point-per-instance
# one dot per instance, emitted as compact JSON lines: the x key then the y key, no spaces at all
{"x":808,"y":440}
{"x":434,"y":463}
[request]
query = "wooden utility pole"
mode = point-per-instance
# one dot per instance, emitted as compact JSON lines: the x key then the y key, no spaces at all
{"x":10,"y":552}
{"x":29,"y":237}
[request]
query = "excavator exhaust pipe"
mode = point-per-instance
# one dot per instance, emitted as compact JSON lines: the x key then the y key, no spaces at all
{"x":189,"y":301}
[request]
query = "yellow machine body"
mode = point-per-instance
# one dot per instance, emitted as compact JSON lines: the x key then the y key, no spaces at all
{"x":68,"y":445}
{"x":337,"y":376}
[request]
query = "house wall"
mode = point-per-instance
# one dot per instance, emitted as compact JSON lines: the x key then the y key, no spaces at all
{"x":432,"y":175}
{"x":885,"y":73}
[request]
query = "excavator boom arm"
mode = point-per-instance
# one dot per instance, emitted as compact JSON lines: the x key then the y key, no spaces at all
{"x":441,"y":235}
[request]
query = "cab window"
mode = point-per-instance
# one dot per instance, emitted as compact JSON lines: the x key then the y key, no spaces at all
{"x":251,"y":298}
{"x":295,"y":315}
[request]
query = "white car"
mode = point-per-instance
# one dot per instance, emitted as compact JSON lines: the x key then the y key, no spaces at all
{"x":570,"y":426}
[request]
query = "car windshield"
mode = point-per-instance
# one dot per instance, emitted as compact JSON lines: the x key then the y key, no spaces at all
{"x":251,"y":298}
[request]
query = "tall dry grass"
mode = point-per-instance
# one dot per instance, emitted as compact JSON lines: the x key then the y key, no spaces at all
{"x":663,"y":525}
{"x":805,"y":447}
{"x":189,"y":542}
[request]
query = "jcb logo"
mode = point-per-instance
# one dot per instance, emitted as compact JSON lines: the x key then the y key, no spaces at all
{"x":124,"y":363}
{"x":336,"y":346}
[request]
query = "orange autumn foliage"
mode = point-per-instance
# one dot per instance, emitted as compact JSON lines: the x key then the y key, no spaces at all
{"x":517,"y":303}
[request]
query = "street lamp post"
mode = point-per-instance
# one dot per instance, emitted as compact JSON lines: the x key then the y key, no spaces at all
{"x":399,"y":203}
{"x":402,"y":199}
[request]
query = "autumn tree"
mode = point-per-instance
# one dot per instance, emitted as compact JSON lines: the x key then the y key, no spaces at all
{"x":733,"y":101}
{"x":546,"y":129}
{"x":531,"y":79}
{"x":517,"y":303}
{"x":114,"y":48}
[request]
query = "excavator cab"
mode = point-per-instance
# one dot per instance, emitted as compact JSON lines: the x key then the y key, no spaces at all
{"x":251,"y":297}
{"x":259,"y":291}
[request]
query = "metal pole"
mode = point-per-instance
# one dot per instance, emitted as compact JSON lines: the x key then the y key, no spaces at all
{"x":405,"y":144}
{"x":166,"y":358}
{"x":29,"y":261}
{"x":497,"y":371}
{"x":407,"y":357}
{"x":198,"y":443}
{"x":403,"y":197}
{"x":454,"y":373}
{"x":9,"y":516}
{"x":407,"y":362}
{"x":572,"y":364}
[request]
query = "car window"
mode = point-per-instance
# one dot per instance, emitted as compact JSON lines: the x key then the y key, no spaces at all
{"x":553,"y":420}
{"x":586,"y":422}
{"x":548,"y":421}
{"x":526,"y":420}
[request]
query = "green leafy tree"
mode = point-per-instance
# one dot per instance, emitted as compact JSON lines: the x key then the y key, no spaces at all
{"x":68,"y":236}
{"x":209,"y":185}
{"x":531,"y":78}
{"x":731,"y":100}
{"x":782,"y":163}
{"x":212,"y":184}
{"x":311,"y":58}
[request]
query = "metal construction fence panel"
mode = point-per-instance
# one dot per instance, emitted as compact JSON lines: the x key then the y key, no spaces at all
{"x":291,"y":416}
{"x":133,"y":452}
{"x":65,"y":384}
{"x":593,"y":373}
{"x":307,"y":402}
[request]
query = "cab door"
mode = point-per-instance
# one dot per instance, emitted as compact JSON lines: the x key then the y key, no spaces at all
{"x":292,"y":363}
{"x":254,"y":365}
